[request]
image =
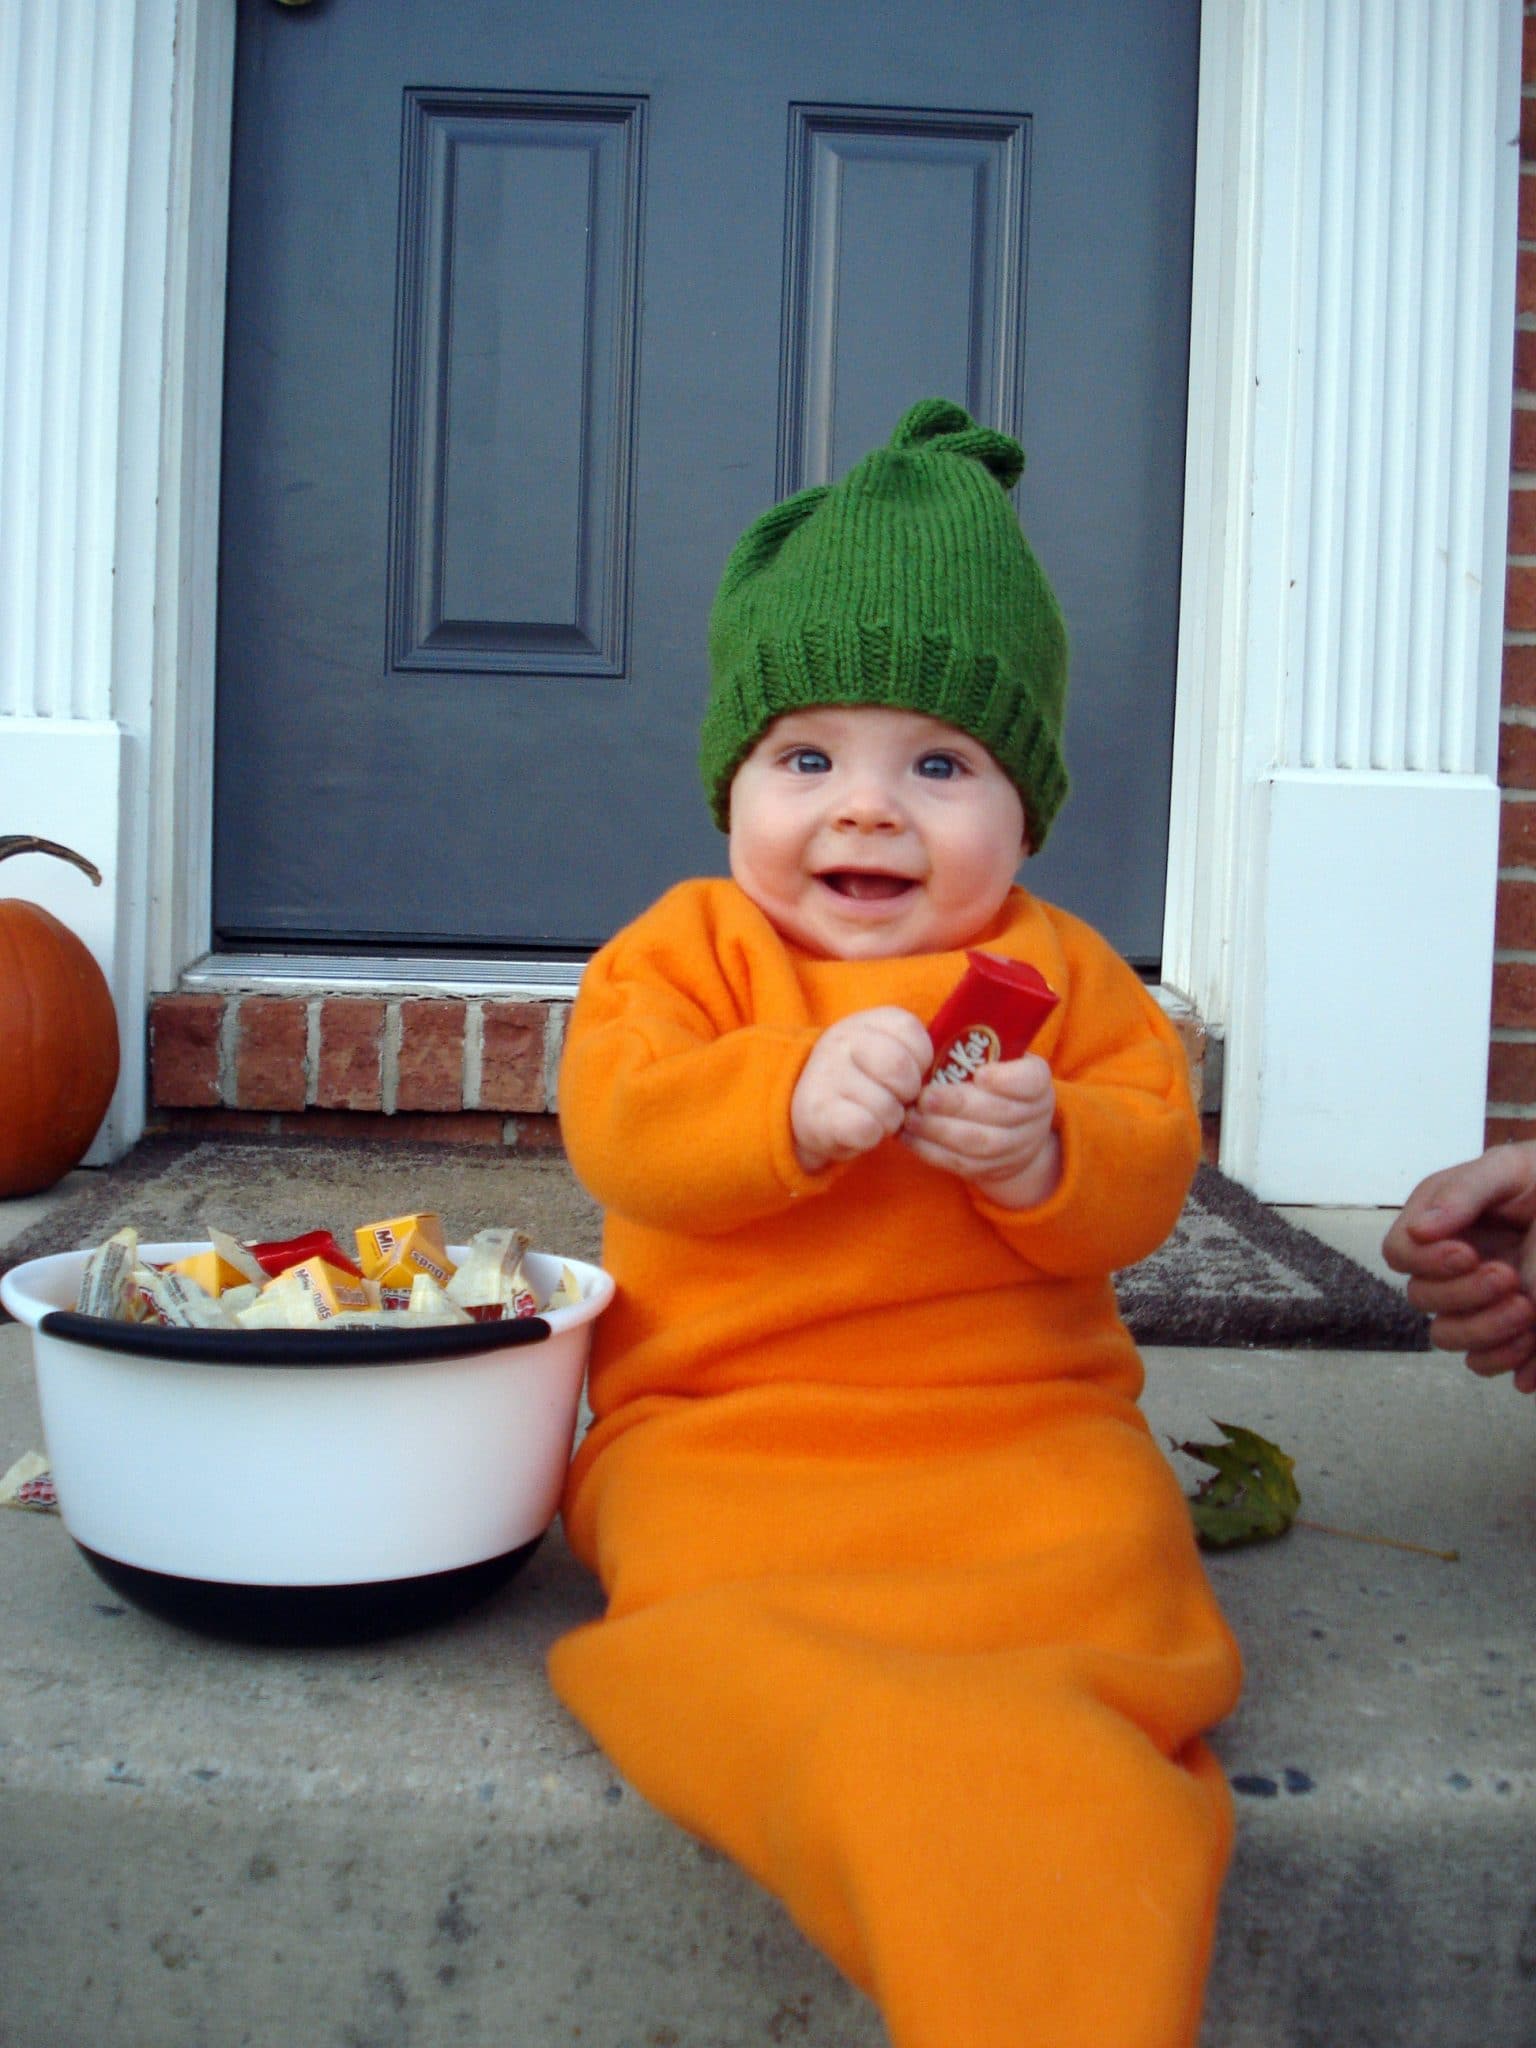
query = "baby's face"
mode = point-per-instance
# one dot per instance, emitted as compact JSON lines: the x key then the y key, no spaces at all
{"x":863,"y":833}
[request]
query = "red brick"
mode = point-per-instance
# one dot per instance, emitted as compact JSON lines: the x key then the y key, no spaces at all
{"x":220,"y":1123}
{"x":1517,"y":756}
{"x":1528,"y":52}
{"x":1514,"y":995}
{"x":1508,"y":1130}
{"x":1520,"y":599}
{"x":1527,"y":227}
{"x":1527,"y":128}
{"x":1525,"y":359}
{"x":535,"y":1134}
{"x":1512,"y":1072}
{"x":1522,"y":439}
{"x":1517,"y":835}
{"x":431,"y":1072}
{"x":1522,"y":522}
{"x":468,"y":1128}
{"x":512,"y":1056}
{"x":184,"y":1051}
{"x":1514,"y":927}
{"x":1519,"y":681}
{"x":271,"y":1038}
{"x":1525,"y":273}
{"x":351,"y":1046}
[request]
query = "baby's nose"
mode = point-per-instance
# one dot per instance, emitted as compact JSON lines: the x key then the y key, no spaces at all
{"x":870,"y":805}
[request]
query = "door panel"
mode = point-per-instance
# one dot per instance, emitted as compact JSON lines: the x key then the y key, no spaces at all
{"x":906,"y":264}
{"x":532,"y":309}
{"x":519,"y":272}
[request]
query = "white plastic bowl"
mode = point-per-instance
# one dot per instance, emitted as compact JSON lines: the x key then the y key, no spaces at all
{"x":264,"y":1489}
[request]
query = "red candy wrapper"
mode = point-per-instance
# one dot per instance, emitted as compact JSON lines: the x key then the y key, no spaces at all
{"x":993,"y":1014}
{"x":277,"y":1256}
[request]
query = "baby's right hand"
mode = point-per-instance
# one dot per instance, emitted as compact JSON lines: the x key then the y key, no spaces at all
{"x":856,"y":1087}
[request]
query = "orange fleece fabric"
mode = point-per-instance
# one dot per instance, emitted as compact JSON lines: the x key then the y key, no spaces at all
{"x":904,"y":1608}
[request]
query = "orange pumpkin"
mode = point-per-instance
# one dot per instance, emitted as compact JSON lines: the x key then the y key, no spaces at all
{"x":58,"y":1037}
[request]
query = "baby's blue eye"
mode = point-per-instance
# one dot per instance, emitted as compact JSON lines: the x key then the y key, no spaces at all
{"x":940,"y":767}
{"x":808,"y":761}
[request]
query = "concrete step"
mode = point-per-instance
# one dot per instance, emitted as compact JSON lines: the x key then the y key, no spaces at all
{"x":411,"y":1844}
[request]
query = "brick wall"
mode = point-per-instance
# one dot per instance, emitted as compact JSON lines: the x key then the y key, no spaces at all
{"x":461,"y":1070}
{"x":1512,"y":1053}
{"x":467,"y":1070}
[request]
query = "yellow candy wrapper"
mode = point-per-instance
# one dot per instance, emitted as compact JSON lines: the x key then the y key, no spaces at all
{"x":382,"y":1245}
{"x":416,"y":1252}
{"x":211,"y":1271}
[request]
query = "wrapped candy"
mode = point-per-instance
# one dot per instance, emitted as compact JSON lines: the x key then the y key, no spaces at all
{"x":491,"y":1282}
{"x":995,"y":1011}
{"x":308,"y":1282}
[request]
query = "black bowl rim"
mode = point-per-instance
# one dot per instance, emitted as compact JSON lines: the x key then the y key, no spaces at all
{"x":319,"y":1347}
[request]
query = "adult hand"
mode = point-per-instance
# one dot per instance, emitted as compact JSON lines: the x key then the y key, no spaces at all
{"x":1466,"y":1240}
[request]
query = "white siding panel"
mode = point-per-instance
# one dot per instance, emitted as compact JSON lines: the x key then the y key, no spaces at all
{"x":1393,"y":276}
{"x":65,"y":72}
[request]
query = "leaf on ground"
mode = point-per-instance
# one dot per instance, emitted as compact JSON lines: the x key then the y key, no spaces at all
{"x":1251,"y":1494}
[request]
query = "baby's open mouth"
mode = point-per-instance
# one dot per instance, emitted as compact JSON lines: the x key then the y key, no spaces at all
{"x":866,"y":887}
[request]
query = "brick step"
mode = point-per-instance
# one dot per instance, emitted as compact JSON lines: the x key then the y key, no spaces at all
{"x":483,"y":1068}
{"x":362,"y":1054}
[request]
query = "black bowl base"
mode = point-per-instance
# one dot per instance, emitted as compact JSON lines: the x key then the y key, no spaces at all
{"x":309,"y":1617}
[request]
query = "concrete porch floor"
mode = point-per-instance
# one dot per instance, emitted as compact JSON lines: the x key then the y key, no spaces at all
{"x":410,"y":1844}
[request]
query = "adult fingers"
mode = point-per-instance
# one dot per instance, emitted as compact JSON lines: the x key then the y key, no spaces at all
{"x":1486,"y":1329}
{"x":1515,"y":1355}
{"x":1446,"y":1202}
{"x":1463,"y":1294}
{"x":1445,"y":1259}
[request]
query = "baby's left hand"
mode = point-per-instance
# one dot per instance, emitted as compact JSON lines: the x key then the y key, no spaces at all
{"x":994,"y":1131}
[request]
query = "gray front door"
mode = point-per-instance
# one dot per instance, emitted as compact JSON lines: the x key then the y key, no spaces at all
{"x":533,"y":307}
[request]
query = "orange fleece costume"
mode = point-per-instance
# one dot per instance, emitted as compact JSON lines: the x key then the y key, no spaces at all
{"x":905,"y":1612}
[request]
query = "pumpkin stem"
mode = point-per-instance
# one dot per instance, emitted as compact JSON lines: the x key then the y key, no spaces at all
{"x":24,"y":842}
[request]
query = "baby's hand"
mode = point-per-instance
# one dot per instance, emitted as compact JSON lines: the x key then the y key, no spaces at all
{"x":994,"y":1130}
{"x":855,"y":1087}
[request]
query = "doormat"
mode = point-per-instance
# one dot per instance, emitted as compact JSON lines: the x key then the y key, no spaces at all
{"x":1233,"y":1273}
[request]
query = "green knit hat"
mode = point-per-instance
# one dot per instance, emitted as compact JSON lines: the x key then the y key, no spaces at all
{"x":910,"y":584}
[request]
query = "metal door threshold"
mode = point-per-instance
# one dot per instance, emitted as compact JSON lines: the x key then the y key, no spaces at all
{"x":293,"y":974}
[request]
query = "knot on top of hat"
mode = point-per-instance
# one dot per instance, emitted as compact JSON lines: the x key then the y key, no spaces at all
{"x":939,"y":425}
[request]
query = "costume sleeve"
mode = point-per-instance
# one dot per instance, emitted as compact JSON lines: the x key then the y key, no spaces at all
{"x":1130,"y":1138}
{"x":674,"y":1110}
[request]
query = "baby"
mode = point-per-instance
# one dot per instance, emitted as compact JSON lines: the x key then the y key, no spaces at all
{"x":904,"y":1608}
